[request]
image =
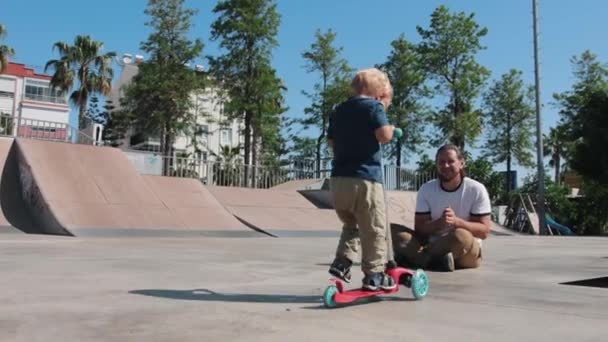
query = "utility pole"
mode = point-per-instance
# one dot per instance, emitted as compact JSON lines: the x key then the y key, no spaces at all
{"x":540,"y":200}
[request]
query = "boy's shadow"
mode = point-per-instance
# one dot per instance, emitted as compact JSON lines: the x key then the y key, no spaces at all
{"x":211,"y":296}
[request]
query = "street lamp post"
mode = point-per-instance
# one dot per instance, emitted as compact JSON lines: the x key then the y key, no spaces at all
{"x":539,"y":138}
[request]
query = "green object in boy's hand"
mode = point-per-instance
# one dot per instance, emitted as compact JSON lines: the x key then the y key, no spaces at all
{"x":397,"y":133}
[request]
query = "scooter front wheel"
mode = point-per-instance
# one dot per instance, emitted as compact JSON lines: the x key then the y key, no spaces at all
{"x":420,"y":284}
{"x":328,"y":296}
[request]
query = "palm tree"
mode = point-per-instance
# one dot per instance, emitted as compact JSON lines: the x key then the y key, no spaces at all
{"x":229,"y":154}
{"x":556,"y":147}
{"x":5,"y":51}
{"x":84,"y":67}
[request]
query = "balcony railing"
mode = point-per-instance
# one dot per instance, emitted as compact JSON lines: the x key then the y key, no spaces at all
{"x":42,"y":130}
{"x":45,"y":98}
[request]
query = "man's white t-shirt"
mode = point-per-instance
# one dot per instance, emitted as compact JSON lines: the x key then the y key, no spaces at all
{"x":469,"y":199}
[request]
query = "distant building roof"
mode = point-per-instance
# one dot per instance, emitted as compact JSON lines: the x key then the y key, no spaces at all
{"x":20,"y":70}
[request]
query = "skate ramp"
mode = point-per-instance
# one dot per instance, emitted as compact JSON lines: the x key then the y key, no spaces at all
{"x":192,"y":204}
{"x":14,"y":216}
{"x":401,"y":204}
{"x":277,"y":213}
{"x":299,"y":184}
{"x":401,"y":207}
{"x":89,"y":191}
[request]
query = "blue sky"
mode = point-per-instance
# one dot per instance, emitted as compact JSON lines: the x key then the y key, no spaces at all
{"x":364,"y":29}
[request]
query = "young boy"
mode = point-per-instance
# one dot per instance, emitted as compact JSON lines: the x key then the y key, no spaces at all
{"x":356,"y":130}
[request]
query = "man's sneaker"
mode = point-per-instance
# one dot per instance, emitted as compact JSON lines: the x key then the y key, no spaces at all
{"x":340,"y":268}
{"x":375,"y":281}
{"x":444,"y":263}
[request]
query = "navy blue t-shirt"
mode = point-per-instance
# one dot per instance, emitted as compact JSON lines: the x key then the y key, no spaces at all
{"x":352,"y":129}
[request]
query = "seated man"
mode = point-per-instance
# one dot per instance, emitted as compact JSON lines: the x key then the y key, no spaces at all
{"x":452,"y":217}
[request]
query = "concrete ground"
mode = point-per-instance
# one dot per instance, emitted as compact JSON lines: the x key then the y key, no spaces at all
{"x":268,"y":289}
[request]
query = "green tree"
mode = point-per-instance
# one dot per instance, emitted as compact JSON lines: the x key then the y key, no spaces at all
{"x":246,"y":31}
{"x":303,"y":148}
{"x":5,"y":51}
{"x":268,"y":121}
{"x":590,"y":157}
{"x":590,"y":76}
{"x":226,"y":169}
{"x":331,"y":88}
{"x":557,"y":147}
{"x":426,"y":165}
{"x":407,"y":75}
{"x":510,"y":122}
{"x":116,"y":125}
{"x":94,"y":113}
{"x":592,"y":216}
{"x":582,"y":127}
{"x":481,"y":170}
{"x":82,"y":66}
{"x":448,"y":48}
{"x":159,"y":98}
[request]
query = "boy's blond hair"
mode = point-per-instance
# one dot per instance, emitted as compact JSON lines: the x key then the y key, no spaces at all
{"x":371,"y":82}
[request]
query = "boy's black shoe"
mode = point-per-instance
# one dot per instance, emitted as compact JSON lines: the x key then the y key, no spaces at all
{"x":340,"y":268}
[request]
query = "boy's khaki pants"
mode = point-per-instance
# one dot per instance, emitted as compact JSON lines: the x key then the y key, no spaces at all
{"x":360,"y":206}
{"x":413,"y":250}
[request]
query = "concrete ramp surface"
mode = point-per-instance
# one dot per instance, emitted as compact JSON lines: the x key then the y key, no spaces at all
{"x":87,"y":190}
{"x":13,"y":213}
{"x":278,"y":213}
{"x":299,"y":184}
{"x":401,"y":207}
{"x":192,"y":204}
{"x":401,"y":204}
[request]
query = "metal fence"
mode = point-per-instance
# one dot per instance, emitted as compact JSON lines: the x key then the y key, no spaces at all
{"x":221,"y":173}
{"x":237,"y":174}
{"x":400,"y":178}
{"x":42,"y":130}
{"x":210,"y":172}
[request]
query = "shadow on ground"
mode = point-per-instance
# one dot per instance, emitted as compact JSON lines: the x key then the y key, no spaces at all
{"x":212,"y":296}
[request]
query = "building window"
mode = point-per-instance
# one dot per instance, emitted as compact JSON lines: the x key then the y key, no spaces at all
{"x":201,"y":156}
{"x":202,"y":130}
{"x":6,"y":94}
{"x":43,"y":129}
{"x":226,"y":136}
{"x":41,"y":91}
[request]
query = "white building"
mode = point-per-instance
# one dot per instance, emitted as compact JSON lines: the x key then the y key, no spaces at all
{"x":24,"y":94}
{"x":212,"y":131}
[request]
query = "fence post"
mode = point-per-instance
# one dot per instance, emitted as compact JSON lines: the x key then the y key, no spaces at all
{"x":18,"y":125}
{"x":209,"y":173}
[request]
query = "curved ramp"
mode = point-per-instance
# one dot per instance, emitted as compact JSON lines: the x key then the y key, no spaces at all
{"x":277,"y":213}
{"x":14,"y":216}
{"x":87,"y":190}
{"x":401,"y":204}
{"x":401,"y":208}
{"x":191,"y":204}
{"x":298,"y":184}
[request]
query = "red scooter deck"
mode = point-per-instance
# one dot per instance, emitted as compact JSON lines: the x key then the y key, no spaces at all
{"x":335,"y":294}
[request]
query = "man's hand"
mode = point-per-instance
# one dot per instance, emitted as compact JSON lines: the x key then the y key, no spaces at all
{"x":450,"y":219}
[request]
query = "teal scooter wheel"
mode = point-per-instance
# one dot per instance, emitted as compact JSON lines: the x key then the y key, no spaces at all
{"x":420,"y":284}
{"x":328,"y":296}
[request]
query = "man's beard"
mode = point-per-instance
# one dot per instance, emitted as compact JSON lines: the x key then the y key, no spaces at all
{"x":446,"y":179}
